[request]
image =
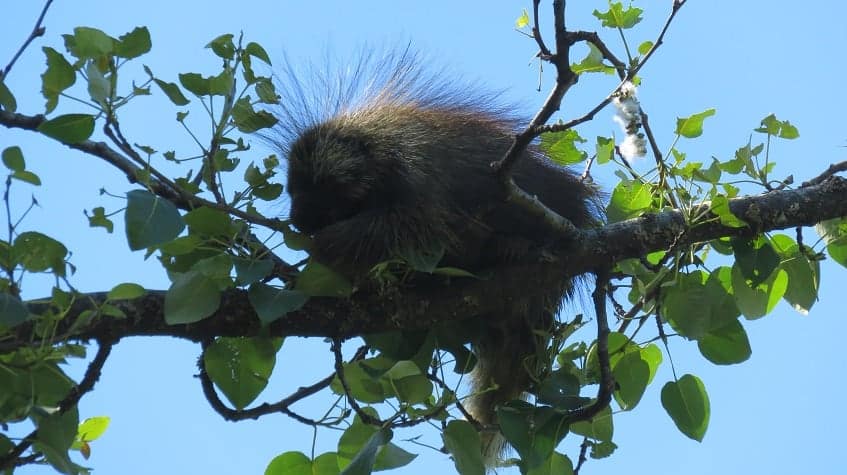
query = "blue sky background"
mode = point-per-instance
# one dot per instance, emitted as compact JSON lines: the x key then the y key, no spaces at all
{"x":780,"y":412}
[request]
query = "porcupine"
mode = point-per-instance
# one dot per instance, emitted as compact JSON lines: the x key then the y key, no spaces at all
{"x":390,"y":160}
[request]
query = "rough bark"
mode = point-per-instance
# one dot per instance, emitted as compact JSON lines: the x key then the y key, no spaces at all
{"x":439,"y":300}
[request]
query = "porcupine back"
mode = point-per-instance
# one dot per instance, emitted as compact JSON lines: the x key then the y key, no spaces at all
{"x":391,"y":161}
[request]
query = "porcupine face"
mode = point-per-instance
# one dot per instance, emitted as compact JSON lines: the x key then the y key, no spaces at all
{"x":330,"y":177}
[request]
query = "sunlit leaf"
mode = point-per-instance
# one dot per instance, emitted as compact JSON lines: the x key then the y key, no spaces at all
{"x":687,"y":403}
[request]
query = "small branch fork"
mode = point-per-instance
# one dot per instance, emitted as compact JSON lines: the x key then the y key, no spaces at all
{"x":37,"y":31}
{"x":160,"y":184}
{"x":565,"y":79}
{"x":13,"y":458}
{"x":281,"y":406}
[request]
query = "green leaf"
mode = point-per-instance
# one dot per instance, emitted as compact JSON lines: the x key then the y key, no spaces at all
{"x":408,"y":383}
{"x":645,"y":47}
{"x":220,"y":85}
{"x":631,"y":374}
{"x":99,"y":86}
{"x":521,"y":22}
{"x":98,"y":219}
{"x":290,"y":463}
{"x":150,"y":220}
{"x":133,"y":44}
{"x":755,"y":258}
{"x":266,"y":91}
{"x":783,"y":129}
{"x":834,"y":234}
{"x":391,"y":456}
{"x":210,"y":222}
{"x":296,"y":463}
{"x":172,"y":91}
{"x":601,"y":450}
{"x":561,"y":147}
{"x":364,"y":460}
{"x":23,"y":389}
{"x":599,"y":427}
{"x":54,"y":438}
{"x":223,"y":47}
{"x":13,"y":158}
{"x":192,"y":297}
{"x":37,"y":252}
{"x":687,"y":403}
{"x":268,"y":191}
{"x":7,"y":99}
{"x":592,"y":63}
{"x":324,"y":464}
{"x":629,"y":199}
{"x":692,"y":126}
{"x":362,"y":379}
{"x":12,"y":311}
{"x":249,"y":120}
{"x":27,"y":177}
{"x":560,"y":389}
{"x":720,"y":206}
{"x":271,"y":303}
{"x":619,"y":17}
{"x":68,"y":128}
{"x":726,"y":345}
{"x":59,"y":76}
{"x":462,"y":442}
{"x":250,"y":271}
{"x":126,"y":291}
{"x":557,"y":464}
{"x":89,"y":43}
{"x":605,"y":149}
{"x":240,"y":367}
{"x":756,"y":301}
{"x":92,"y":428}
{"x":803,"y":273}
{"x":256,"y":50}
{"x":533,"y":431}
{"x":318,"y":280}
{"x":195,"y":83}
{"x":698,"y":303}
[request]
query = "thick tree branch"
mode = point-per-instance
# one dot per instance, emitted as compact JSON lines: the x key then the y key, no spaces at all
{"x":432,"y":301}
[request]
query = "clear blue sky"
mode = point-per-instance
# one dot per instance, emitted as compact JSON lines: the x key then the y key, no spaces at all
{"x":780,"y":412}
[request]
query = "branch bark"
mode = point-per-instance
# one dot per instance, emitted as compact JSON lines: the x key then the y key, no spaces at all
{"x":433,"y":301}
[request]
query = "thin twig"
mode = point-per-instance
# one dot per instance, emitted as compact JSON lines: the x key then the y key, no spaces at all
{"x":536,"y":32}
{"x":281,"y":406}
{"x":630,"y":74}
{"x":831,"y":170}
{"x":37,"y":31}
{"x":583,"y":451}
{"x":102,"y":150}
{"x":593,"y":38}
{"x":339,"y":370}
{"x":565,"y":78}
{"x":607,"y":382}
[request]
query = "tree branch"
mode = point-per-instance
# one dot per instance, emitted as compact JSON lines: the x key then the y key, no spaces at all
{"x":433,"y":300}
{"x":103,"y":151}
{"x":37,"y":31}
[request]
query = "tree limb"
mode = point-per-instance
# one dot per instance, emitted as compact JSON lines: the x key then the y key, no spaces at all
{"x":432,"y":300}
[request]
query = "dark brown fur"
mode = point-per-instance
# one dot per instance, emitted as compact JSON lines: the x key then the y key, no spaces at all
{"x":408,"y":169}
